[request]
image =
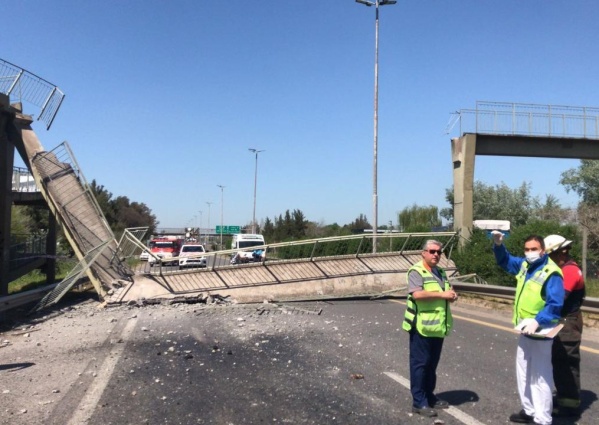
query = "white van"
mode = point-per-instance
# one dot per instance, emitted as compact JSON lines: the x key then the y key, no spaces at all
{"x":244,"y":243}
{"x":246,"y":240}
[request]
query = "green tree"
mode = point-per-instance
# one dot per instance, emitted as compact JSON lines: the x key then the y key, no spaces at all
{"x":299,"y":224}
{"x":21,"y":223}
{"x":121,"y":213}
{"x":359,"y":224}
{"x":418,"y":218}
{"x":268,"y":230}
{"x":500,"y":202}
{"x":104,"y":200}
{"x":583,"y":180}
{"x":477,"y":255}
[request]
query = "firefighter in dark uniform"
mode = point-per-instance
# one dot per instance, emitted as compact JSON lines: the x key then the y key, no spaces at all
{"x":566,"y":345}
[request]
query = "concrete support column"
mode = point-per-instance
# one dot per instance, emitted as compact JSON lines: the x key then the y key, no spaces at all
{"x":7,"y":154}
{"x":462,"y":155}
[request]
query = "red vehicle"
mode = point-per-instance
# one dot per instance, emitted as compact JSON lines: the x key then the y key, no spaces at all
{"x":165,"y":247}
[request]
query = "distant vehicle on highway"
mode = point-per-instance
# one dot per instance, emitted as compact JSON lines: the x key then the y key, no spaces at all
{"x":189,"y":256}
{"x":144,"y":256}
{"x":242,"y":241}
{"x":246,"y":240}
{"x":164,"y":247}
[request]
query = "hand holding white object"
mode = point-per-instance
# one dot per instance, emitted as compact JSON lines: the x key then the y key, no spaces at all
{"x":497,"y":237}
{"x":531,"y":327}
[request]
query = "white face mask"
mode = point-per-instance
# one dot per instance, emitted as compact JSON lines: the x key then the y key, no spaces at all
{"x":532,"y":256}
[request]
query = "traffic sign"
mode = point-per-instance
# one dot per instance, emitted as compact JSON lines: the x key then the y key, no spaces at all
{"x":229,"y":230}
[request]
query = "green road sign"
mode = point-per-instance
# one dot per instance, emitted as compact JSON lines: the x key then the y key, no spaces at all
{"x":228,"y":230}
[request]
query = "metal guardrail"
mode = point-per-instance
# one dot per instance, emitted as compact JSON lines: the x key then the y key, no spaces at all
{"x":10,"y":302}
{"x":25,"y":86}
{"x":590,"y":305}
{"x":528,"y":120}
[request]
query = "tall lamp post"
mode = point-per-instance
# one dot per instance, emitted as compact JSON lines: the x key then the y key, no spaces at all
{"x":200,"y":228}
{"x":256,"y":152}
{"x":207,"y":232}
{"x":375,"y":196}
{"x":222,"y":198}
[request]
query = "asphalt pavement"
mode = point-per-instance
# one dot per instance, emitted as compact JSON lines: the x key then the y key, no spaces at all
{"x":341,"y":362}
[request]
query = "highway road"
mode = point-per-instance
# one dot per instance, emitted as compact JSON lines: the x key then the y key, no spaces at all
{"x":342,"y":362}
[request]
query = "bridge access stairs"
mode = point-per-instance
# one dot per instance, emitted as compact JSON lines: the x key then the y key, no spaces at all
{"x":72,"y":202}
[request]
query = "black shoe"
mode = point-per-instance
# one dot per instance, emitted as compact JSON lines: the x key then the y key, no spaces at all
{"x":522,"y":418}
{"x":424,"y":411}
{"x":440,"y":404}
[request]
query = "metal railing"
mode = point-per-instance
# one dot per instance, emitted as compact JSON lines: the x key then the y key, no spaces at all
{"x":27,"y":248}
{"x":315,"y":249}
{"x":22,"y":85}
{"x":23,"y":181}
{"x":528,"y":120}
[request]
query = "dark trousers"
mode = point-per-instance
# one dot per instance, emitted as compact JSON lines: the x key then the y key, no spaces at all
{"x":565,"y":357}
{"x":425,"y":353}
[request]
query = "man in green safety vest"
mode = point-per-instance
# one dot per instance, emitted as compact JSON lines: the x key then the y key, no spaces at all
{"x":537,"y":305}
{"x":428,"y":320}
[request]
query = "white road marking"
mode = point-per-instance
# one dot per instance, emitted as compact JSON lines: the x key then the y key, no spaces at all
{"x":453,"y":411}
{"x":92,"y":396}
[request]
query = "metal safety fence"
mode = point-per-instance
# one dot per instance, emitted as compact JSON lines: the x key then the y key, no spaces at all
{"x":23,"y":86}
{"x":352,"y":246}
{"x":523,"y":119}
{"x":23,"y":181}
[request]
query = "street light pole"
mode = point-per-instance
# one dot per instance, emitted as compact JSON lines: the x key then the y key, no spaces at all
{"x":255,"y":151}
{"x":222,"y":198}
{"x":209,"y":203}
{"x":200,"y":228}
{"x":375,"y":196}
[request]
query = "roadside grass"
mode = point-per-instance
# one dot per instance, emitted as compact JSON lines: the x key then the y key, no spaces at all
{"x":592,"y":288}
{"x":37,"y":278}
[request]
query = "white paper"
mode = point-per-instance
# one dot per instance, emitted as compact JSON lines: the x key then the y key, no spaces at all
{"x":546,"y":332}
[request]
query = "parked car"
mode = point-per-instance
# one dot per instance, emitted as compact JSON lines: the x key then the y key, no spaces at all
{"x":190,"y":256}
{"x":144,"y":256}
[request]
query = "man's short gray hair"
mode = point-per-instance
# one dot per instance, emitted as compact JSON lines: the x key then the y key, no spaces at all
{"x":431,"y":242}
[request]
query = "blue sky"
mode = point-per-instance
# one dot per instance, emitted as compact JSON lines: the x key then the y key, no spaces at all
{"x":164,"y":98}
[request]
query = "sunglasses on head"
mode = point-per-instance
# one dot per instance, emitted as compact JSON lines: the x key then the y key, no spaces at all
{"x":434,"y":251}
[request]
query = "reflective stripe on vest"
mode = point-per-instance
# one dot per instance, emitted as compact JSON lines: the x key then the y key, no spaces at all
{"x":529,"y":302}
{"x":432,"y":317}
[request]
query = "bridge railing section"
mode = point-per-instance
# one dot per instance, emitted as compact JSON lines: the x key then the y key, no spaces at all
{"x":23,"y":181}
{"x":25,"y":249}
{"x":357,"y":245}
{"x":529,"y":120}
{"x":23,"y":86}
{"x":312,"y":250}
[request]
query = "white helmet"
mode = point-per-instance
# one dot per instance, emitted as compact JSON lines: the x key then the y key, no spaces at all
{"x":555,"y":242}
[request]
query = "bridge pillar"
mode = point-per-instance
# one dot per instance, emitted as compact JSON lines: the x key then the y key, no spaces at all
{"x":7,"y":153}
{"x":463,"y":152}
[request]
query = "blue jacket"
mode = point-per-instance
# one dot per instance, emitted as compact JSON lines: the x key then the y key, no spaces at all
{"x":553,"y":290}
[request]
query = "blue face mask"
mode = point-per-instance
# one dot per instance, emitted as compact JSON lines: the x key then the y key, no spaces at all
{"x":532,"y":256}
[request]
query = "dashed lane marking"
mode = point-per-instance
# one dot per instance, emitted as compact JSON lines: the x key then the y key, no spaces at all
{"x":92,"y":396}
{"x":453,"y":411}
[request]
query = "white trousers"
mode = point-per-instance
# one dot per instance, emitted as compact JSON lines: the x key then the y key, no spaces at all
{"x":535,"y":378}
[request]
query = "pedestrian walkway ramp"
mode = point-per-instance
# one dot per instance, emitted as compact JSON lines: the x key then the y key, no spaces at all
{"x":71,"y":201}
{"x":311,"y":269}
